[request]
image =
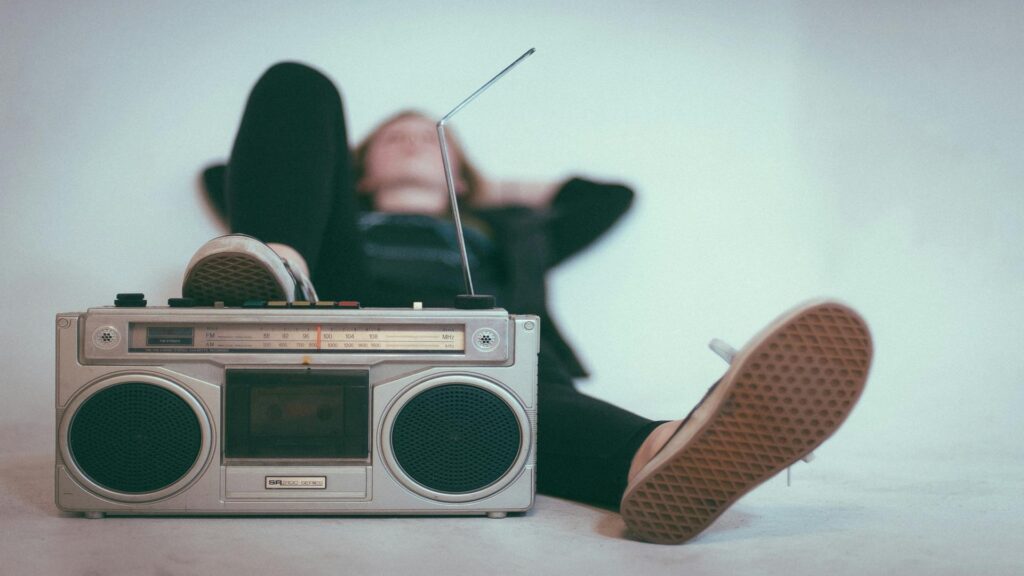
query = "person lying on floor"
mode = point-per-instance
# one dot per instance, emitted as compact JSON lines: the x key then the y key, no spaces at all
{"x":372,"y":224}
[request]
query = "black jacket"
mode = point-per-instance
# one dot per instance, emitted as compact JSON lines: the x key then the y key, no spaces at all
{"x":534,"y":241}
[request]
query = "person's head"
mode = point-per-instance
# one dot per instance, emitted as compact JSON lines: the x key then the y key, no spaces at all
{"x":404,"y":152}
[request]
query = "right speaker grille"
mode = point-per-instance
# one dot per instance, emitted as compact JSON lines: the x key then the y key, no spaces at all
{"x":456,"y":438}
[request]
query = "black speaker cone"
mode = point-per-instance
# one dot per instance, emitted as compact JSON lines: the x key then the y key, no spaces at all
{"x":135,"y":438}
{"x":456,"y":438}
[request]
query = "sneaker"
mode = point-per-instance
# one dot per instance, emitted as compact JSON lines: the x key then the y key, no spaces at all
{"x":784,"y":394}
{"x":235,"y":268}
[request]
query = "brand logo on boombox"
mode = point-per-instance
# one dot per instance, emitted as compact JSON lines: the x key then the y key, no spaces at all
{"x":285,"y":482}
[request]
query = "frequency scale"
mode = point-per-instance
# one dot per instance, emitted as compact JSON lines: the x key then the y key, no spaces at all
{"x":318,"y":337}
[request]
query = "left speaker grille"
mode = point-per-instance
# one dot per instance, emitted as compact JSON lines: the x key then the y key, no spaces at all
{"x":135,"y":438}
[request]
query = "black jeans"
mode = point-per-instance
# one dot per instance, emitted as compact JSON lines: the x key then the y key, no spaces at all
{"x":290,"y":180}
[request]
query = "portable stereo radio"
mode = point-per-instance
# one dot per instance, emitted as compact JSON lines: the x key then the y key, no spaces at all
{"x":295,"y":411}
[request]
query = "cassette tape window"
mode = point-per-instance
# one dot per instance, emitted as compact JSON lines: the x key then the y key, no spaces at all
{"x":282,"y":415}
{"x":371,"y":224}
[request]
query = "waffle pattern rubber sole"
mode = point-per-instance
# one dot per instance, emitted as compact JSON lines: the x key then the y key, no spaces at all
{"x":784,"y":395}
{"x":231,"y":278}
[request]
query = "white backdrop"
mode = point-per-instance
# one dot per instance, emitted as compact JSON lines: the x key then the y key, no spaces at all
{"x":779,"y":151}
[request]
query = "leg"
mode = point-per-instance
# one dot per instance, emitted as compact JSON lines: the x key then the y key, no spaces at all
{"x":289,"y":177}
{"x":584,"y":445}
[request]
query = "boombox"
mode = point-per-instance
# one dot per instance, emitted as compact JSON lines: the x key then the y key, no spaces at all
{"x":317,"y":410}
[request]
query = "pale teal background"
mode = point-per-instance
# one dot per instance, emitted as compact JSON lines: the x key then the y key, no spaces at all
{"x":870,"y":151}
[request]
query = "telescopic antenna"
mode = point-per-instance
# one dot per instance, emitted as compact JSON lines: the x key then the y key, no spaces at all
{"x":470,"y":300}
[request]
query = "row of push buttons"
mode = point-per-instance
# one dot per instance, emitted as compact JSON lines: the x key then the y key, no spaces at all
{"x":138,"y":300}
{"x":347,"y":304}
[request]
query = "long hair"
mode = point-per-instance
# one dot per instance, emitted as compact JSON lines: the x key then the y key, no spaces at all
{"x":467,"y":174}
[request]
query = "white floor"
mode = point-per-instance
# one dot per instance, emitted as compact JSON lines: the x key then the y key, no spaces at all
{"x":843,"y":514}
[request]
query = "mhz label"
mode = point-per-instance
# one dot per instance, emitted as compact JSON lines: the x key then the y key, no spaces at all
{"x":296,"y":482}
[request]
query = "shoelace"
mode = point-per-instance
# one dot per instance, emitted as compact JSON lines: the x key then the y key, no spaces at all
{"x":302,"y":284}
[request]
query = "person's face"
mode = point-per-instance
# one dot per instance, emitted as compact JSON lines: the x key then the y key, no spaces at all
{"x":406,"y":154}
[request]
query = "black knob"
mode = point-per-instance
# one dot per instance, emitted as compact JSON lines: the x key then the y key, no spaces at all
{"x":130,"y":300}
{"x":181,"y":302}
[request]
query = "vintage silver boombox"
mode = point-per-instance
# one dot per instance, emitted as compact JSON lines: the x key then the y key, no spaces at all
{"x":318,"y":410}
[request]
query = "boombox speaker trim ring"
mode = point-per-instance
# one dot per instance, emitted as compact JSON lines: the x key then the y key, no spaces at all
{"x":90,"y":390}
{"x":395,"y":408}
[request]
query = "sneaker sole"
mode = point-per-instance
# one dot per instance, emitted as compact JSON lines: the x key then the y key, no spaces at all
{"x":785,"y":393}
{"x":233,"y":269}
